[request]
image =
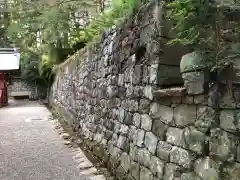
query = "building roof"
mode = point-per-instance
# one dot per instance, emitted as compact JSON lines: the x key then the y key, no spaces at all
{"x":9,"y":59}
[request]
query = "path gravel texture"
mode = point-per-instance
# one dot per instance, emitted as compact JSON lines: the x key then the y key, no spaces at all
{"x":30,"y":149}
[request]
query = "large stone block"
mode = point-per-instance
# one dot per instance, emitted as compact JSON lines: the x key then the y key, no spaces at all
{"x":157,"y":167}
{"x":125,"y":161}
{"x":150,"y":142}
{"x":189,"y":176}
{"x":181,"y":157}
{"x":231,"y":171}
{"x":145,"y":174}
{"x":185,"y":115}
{"x":144,"y":105}
{"x":194,"y":82}
{"x":146,"y":122}
{"x":205,"y":118}
{"x":175,"y":136}
{"x":194,"y":139}
{"x":135,"y":170}
{"x":206,"y":169}
{"x":144,"y":157}
{"x":222,"y":145}
{"x":163,"y":150}
{"x":159,"y":129}
{"x":172,"y":172}
{"x":164,"y":113}
{"x":230,"y":120}
{"x":138,"y":138}
{"x":137,"y":120}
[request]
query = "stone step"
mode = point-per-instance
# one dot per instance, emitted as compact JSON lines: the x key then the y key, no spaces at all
{"x":170,"y":92}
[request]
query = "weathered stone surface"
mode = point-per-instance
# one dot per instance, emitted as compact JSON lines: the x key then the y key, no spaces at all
{"x":135,"y":170}
{"x":125,"y":161}
{"x":207,"y":169}
{"x":163,"y":150}
{"x":150,"y":142}
{"x":144,"y":157}
{"x":231,"y":172}
{"x":194,"y":82}
{"x":172,"y":172}
{"x":185,"y":115}
{"x":138,"y":138}
{"x":230,"y":120}
{"x":145,"y":174}
{"x":181,"y":157}
{"x":175,"y":136}
{"x":159,"y":129}
{"x":153,"y":73}
{"x":222,"y":145}
{"x":164,"y":113}
{"x":171,"y":92}
{"x":133,"y":152}
{"x":189,"y":176}
{"x":137,"y":120}
{"x":148,"y":92}
{"x":194,"y":139}
{"x":157,"y":167}
{"x":205,"y":118}
{"x":191,"y":62}
{"x":144,"y":106}
{"x":146,"y":122}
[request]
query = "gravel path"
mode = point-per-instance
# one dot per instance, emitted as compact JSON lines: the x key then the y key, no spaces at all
{"x":30,"y":149}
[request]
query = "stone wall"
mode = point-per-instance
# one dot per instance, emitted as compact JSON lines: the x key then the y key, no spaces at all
{"x":18,"y":87}
{"x":118,"y":98}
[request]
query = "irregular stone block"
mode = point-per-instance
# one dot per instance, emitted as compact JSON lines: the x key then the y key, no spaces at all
{"x":157,"y":167}
{"x":148,"y":92}
{"x":133,"y":152}
{"x":137,"y":120}
{"x":192,"y":62}
{"x":163,"y":150}
{"x":121,"y":142}
{"x":137,"y":74}
{"x":181,"y":157}
{"x":164,"y":113}
{"x":205,"y":118}
{"x":175,"y":136}
{"x":130,"y":105}
{"x":194,"y":139}
{"x":222,"y":145}
{"x":125,"y":161}
{"x":172,"y":172}
{"x":231,"y":172}
{"x":206,"y":169}
{"x":150,"y":142}
{"x":159,"y":129}
{"x":144,"y":106}
{"x":226,"y":101}
{"x":144,"y":157}
{"x":128,"y":118}
{"x":139,"y":137}
{"x":189,"y":176}
{"x":146,"y":122}
{"x":145,"y":174}
{"x":194,"y":82}
{"x":185,"y":115}
{"x":153,"y":73}
{"x":230,"y":120}
{"x":135,"y":170}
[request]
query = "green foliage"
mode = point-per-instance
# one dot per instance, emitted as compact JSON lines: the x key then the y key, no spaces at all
{"x":207,"y":26}
{"x":119,"y":10}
